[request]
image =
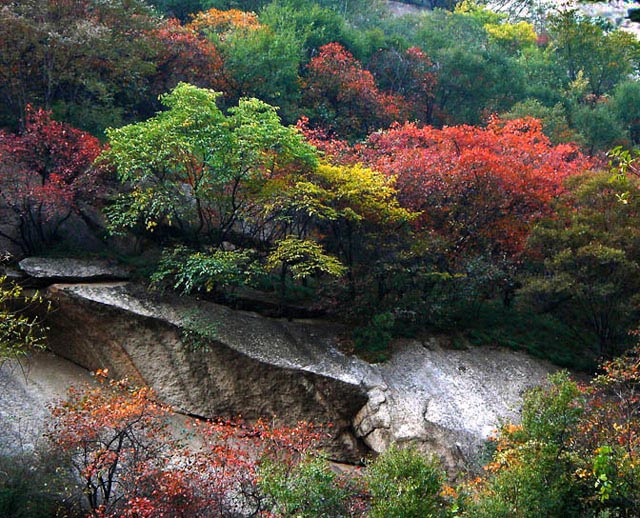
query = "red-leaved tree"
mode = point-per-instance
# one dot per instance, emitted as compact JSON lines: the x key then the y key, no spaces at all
{"x":46,"y":175}
{"x":131,"y":463}
{"x":185,"y":56}
{"x":410,"y":74}
{"x":479,"y":189}
{"x":343,"y":97}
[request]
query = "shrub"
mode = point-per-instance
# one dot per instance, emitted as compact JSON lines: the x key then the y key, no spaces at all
{"x":36,"y":484}
{"x":311,"y":489}
{"x":405,"y":484}
{"x":19,"y":333}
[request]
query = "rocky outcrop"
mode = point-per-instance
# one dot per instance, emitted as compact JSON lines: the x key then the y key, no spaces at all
{"x":45,"y":271}
{"x":447,"y":401}
{"x":209,"y":360}
{"x":248,"y":365}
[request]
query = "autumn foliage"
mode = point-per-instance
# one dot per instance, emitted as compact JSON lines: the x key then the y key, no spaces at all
{"x":344,"y":97}
{"x":123,"y":448}
{"x":185,"y":56}
{"x":480,"y":189}
{"x":576,"y":452}
{"x":45,"y":176}
{"x":220,"y":22}
{"x":410,"y":74}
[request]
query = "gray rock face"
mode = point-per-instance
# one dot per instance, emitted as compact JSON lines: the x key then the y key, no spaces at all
{"x":47,"y":271}
{"x":445,"y":401}
{"x":253,"y":366}
{"x":26,"y":390}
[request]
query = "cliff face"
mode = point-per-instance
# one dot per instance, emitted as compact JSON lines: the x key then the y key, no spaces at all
{"x":249,"y":366}
{"x":446,"y":401}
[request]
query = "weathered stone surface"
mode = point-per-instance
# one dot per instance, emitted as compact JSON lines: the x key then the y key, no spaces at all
{"x":12,"y":274}
{"x":45,"y":271}
{"x":253,"y":366}
{"x":26,"y":389}
{"x":445,"y":401}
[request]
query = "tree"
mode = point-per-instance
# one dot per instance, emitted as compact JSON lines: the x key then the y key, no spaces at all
{"x":479,"y":189}
{"x":46,"y":175}
{"x":350,"y":209}
{"x":531,"y":469}
{"x":554,"y":120}
{"x":312,"y":489}
{"x":590,"y":255}
{"x":185,"y":56}
{"x":265,"y":64}
{"x":599,"y":126}
{"x":193,"y":169}
{"x":604,"y":56}
{"x":410,"y":74}
{"x":626,"y":103}
{"x":258,"y":60}
{"x":470,"y":67}
{"x":303,"y":258}
{"x":121,"y":447}
{"x":218,"y":24}
{"x":315,"y":25}
{"x":611,"y":432}
{"x":513,"y":36}
{"x":118,"y":441}
{"x":341,"y":96}
{"x":86,"y":59}
{"x":181,"y":9}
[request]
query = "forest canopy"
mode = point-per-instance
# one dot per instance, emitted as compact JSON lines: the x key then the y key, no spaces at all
{"x":447,"y":162}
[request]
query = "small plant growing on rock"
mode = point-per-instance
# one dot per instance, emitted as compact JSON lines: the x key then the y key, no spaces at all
{"x":19,"y":332}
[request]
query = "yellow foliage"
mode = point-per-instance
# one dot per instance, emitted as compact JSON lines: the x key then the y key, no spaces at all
{"x":362,"y":193}
{"x":518,"y":35}
{"x":224,"y":22}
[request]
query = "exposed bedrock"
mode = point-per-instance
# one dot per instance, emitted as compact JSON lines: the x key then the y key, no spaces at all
{"x":446,"y":401}
{"x":252,"y":366}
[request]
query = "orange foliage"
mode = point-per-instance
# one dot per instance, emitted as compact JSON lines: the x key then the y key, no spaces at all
{"x":131,"y":465}
{"x":481,"y":189}
{"x":224,"y":22}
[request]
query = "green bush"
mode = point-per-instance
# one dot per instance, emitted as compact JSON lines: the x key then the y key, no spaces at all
{"x":310,"y":490}
{"x":188,"y":271}
{"x":533,"y":468}
{"x":405,"y":484}
{"x":36,"y":485}
{"x":376,"y":335}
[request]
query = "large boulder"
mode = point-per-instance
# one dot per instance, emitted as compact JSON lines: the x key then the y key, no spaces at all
{"x":241,"y":364}
{"x":445,"y":400}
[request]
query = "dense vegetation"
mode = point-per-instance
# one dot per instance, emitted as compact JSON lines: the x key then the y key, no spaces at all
{"x":112,"y":453}
{"x":457,"y":170}
{"x":417,"y":173}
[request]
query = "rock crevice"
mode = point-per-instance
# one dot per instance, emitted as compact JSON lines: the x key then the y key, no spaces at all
{"x":443,"y":400}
